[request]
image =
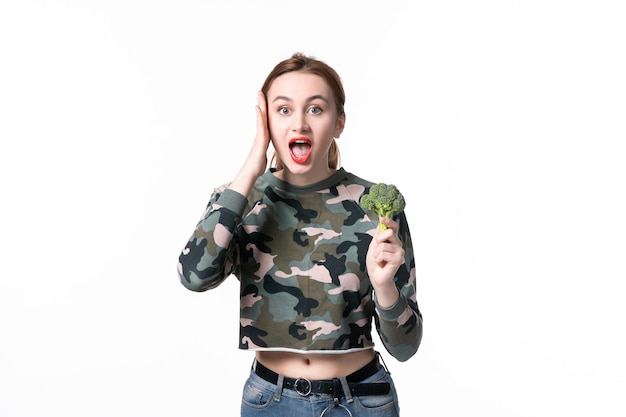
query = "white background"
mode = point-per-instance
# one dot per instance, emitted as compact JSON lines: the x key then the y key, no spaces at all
{"x":501,"y":121}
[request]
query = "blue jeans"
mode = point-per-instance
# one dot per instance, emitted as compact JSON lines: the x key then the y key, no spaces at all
{"x":262,"y":398}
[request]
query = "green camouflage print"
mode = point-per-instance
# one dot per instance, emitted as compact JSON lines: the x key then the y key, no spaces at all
{"x":299,"y":254}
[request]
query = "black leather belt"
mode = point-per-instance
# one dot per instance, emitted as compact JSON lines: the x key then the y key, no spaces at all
{"x":305,"y":387}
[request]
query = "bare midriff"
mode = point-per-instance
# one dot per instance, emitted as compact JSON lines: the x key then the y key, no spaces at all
{"x":315,"y":365}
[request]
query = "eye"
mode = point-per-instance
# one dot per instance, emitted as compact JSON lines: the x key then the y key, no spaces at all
{"x":283,"y":110}
{"x":315,"y":110}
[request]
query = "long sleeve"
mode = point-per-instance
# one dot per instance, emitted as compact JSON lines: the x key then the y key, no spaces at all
{"x":400,"y":326}
{"x":208,"y":257}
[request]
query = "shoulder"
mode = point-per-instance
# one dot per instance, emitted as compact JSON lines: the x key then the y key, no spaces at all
{"x":348,"y":186}
{"x":351,"y":178}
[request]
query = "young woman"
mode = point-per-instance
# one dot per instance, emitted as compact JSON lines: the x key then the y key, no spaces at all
{"x":315,"y":273}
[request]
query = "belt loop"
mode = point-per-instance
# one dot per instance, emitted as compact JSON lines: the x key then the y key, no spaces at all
{"x":382,"y":361}
{"x":346,"y":389}
{"x":279,"y":388}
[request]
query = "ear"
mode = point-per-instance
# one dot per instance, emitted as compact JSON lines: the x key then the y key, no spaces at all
{"x":341,"y":122}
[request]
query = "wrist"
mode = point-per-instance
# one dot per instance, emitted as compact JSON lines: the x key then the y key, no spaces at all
{"x":387,"y":295}
{"x":243,"y":181}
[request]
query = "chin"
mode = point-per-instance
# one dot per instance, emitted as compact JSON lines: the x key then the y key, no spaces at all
{"x":298,"y":169}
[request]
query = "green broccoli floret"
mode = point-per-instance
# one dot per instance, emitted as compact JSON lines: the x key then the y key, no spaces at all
{"x":384,"y":199}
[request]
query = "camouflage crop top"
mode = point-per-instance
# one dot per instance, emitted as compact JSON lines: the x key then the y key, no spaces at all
{"x":299,"y":255}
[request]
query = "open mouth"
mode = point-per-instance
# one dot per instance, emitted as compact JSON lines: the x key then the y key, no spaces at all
{"x":300,"y":149}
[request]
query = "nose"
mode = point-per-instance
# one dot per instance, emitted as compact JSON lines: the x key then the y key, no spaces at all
{"x":299,"y":122}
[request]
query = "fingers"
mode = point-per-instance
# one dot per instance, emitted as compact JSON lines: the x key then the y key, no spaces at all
{"x":389,"y":252}
{"x":388,"y":247}
{"x":262,"y":132}
{"x":256,"y":160}
{"x":261,"y":140}
{"x":261,"y":104}
{"x":391,"y":234}
{"x":383,"y":263}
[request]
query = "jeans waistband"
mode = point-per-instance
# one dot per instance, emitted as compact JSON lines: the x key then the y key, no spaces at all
{"x":305,"y":387}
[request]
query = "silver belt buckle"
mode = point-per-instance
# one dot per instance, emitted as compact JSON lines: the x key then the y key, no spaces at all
{"x":303,"y":386}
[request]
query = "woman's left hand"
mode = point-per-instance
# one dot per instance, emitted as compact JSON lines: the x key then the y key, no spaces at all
{"x":384,"y":256}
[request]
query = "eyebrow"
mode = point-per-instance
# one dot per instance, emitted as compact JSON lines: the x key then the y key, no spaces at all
{"x":315,"y":97}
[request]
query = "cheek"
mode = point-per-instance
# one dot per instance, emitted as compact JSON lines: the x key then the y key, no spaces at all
{"x":276,"y":135}
{"x":275,"y":125}
{"x":271,"y":127}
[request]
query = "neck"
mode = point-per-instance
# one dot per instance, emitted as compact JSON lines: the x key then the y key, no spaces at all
{"x":303,"y":179}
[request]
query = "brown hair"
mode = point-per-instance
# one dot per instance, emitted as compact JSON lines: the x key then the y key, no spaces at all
{"x":311,"y":65}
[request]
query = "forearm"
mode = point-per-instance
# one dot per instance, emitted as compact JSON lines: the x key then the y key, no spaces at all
{"x":243,"y":181}
{"x":400,"y":320}
{"x":206,"y":259}
{"x":387,"y":295}
{"x":400,"y":328}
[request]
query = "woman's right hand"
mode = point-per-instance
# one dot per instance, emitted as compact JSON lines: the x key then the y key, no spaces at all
{"x":258,"y":153}
{"x":256,"y":162}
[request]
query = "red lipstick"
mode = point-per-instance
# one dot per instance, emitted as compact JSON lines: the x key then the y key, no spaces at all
{"x":300,"y":149}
